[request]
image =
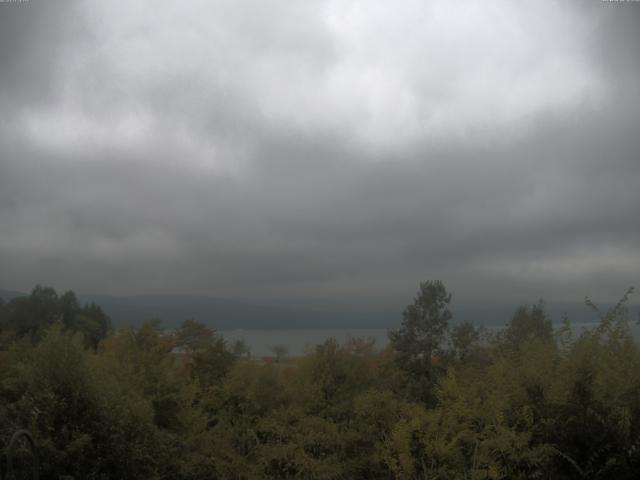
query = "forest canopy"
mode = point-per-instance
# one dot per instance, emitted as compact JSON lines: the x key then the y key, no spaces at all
{"x":443,"y":400}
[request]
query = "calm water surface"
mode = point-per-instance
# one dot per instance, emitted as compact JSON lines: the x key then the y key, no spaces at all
{"x":298,"y":342}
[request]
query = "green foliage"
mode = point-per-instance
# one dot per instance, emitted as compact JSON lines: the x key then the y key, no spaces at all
{"x":30,"y":316}
{"x":193,"y":336}
{"x":150,"y":404}
{"x":420,"y":337}
{"x":81,"y":429}
{"x":464,"y":340}
{"x":527,"y":323}
{"x":204,"y":352}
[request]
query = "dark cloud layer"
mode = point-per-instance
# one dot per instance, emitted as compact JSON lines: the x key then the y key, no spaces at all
{"x":327,"y":152}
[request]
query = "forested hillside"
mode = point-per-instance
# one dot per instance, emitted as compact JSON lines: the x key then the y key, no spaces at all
{"x":443,"y":401}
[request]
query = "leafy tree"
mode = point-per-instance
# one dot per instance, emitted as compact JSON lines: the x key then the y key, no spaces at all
{"x":424,"y":324}
{"x":211,"y":364}
{"x":527,"y":323}
{"x":193,"y":335}
{"x":205,"y":352}
{"x":332,"y":377}
{"x":30,"y":316}
{"x":92,"y":323}
{"x":86,"y":424}
{"x":464,"y":337}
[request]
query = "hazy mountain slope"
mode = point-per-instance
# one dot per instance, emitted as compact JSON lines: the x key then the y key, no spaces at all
{"x":7,"y":295}
{"x":227,"y":314}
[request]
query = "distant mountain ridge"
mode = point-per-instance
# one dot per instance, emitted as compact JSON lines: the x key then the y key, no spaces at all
{"x":224,"y":314}
{"x":228,"y":314}
{"x":7,"y":295}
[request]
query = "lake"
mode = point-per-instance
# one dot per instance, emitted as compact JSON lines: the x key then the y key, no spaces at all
{"x":298,"y":342}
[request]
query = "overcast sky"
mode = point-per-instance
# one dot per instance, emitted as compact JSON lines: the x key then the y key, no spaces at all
{"x":325,"y":151}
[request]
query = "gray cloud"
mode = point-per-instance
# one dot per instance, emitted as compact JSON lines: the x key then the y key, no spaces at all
{"x":329,"y":152}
